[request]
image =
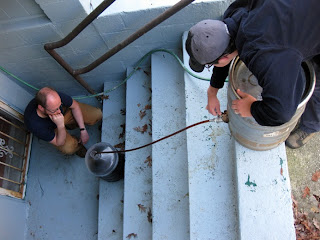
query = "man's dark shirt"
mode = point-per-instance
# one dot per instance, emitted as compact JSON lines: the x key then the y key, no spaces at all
{"x":43,"y":128}
{"x":273,"y":37}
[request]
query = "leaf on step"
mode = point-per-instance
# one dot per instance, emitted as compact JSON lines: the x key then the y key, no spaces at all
{"x":142,"y":208}
{"x":316,"y":176}
{"x":132,"y":235}
{"x":149,"y":216}
{"x":149,"y":161}
{"x":142,"y":113}
{"x":147,"y":107}
{"x":121,"y":135}
{"x":123,"y":111}
{"x":104,"y":97}
{"x":142,"y":129}
{"x":281,"y":171}
{"x":306,"y":192}
{"x":120,"y":145}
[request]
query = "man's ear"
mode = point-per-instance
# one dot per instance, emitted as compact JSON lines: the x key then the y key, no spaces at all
{"x":41,"y":108}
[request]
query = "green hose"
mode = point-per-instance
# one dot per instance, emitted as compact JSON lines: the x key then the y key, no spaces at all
{"x":131,"y":73}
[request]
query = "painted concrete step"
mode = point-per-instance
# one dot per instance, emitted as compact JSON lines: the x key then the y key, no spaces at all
{"x":110,"y":224}
{"x":137,"y":220}
{"x":169,"y":157}
{"x":212,"y":191}
{"x":264,"y":194}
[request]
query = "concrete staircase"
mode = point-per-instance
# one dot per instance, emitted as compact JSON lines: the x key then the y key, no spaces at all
{"x":199,"y":184}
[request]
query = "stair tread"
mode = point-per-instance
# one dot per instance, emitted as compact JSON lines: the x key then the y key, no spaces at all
{"x":169,"y":157}
{"x":212,"y":193}
{"x":111,"y":193}
{"x":264,"y":194}
{"x":138,"y":176}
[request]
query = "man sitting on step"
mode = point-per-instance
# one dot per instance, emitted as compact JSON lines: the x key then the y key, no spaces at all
{"x":50,"y":112}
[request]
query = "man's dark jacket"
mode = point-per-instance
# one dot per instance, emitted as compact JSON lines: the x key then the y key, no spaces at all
{"x":273,"y":37}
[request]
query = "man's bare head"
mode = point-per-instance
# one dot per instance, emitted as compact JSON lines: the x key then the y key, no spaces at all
{"x":48,"y":100}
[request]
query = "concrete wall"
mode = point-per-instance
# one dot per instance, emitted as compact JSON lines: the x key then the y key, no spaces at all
{"x":22,"y":52}
{"x":13,"y":94}
{"x":13,"y":211}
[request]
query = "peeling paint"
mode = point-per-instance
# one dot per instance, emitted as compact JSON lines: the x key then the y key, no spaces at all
{"x":281,"y":170}
{"x":248,"y":183}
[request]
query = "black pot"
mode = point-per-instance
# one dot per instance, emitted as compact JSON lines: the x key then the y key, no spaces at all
{"x":107,"y":166}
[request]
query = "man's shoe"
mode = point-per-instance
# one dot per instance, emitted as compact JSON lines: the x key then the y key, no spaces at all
{"x":298,"y":138}
{"x":82,"y":151}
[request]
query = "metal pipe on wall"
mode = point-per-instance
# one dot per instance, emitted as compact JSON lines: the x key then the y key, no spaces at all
{"x":149,"y":26}
{"x":49,"y":47}
{"x":85,"y":22}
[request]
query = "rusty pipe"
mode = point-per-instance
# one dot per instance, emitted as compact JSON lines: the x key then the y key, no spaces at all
{"x":69,"y":69}
{"x":75,"y":32}
{"x":165,"y":15}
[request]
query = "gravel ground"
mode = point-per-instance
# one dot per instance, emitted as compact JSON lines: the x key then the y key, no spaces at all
{"x":303,"y":163}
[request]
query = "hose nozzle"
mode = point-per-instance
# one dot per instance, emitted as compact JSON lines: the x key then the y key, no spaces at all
{"x":221,"y":118}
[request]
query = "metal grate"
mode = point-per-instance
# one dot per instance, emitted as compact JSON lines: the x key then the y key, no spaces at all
{"x":15,"y":143}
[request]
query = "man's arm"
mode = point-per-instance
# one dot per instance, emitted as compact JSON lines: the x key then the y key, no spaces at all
{"x":60,"y":136}
{"x":213,"y":102}
{"x":219,"y":75}
{"x":280,"y":75}
{"x":77,"y":114}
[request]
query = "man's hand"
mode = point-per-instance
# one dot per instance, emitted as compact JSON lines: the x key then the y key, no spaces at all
{"x":84,"y":136}
{"x":213,"y":102}
{"x":77,"y":114}
{"x":242,"y":106}
{"x":58,"y":119}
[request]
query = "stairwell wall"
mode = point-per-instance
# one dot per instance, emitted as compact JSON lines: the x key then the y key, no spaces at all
{"x":13,"y":211}
{"x":23,"y":53}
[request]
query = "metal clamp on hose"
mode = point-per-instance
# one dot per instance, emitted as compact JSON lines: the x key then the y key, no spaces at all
{"x":221,"y":118}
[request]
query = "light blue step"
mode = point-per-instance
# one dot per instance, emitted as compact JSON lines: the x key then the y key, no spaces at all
{"x":259,"y":197}
{"x":264,"y":194}
{"x":212,"y":191}
{"x":110,"y":224}
{"x":169,"y":157}
{"x":138,"y":175}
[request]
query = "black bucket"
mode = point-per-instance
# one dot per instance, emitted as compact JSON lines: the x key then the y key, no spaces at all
{"x":107,"y":166}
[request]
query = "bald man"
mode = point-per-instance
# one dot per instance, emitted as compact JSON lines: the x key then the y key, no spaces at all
{"x":50,"y":112}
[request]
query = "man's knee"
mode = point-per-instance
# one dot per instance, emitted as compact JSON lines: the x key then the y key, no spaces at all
{"x":91,"y":115}
{"x":70,"y":147}
{"x":95,"y":117}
